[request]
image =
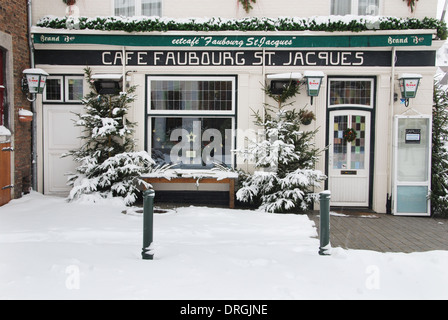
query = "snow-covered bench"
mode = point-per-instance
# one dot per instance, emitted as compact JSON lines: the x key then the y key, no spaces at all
{"x":196,"y":177}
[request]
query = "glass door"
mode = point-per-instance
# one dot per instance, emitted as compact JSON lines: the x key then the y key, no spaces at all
{"x":349,"y":158}
{"x":412,"y":165}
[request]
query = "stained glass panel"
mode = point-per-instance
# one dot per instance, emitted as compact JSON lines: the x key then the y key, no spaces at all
{"x":339,"y":144}
{"x":358,"y":145}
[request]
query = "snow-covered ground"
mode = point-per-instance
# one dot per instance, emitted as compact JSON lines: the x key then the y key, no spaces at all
{"x":51,"y":249}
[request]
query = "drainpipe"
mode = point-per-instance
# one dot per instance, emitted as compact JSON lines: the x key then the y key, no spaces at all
{"x":391,"y":137}
{"x":33,"y":105}
{"x":444,"y":11}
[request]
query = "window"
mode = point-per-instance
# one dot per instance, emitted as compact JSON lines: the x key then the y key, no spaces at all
{"x":129,"y":8}
{"x":74,"y":89}
{"x":64,"y":89}
{"x":355,"y":7}
{"x":53,"y":89}
{"x":351,"y":93}
{"x":191,"y":120}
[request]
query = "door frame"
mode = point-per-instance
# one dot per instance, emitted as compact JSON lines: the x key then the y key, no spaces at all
{"x":372,"y":111}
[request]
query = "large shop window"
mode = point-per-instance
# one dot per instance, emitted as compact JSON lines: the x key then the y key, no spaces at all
{"x":191,"y":120}
{"x":355,"y":7}
{"x":130,"y":8}
{"x":64,"y":89}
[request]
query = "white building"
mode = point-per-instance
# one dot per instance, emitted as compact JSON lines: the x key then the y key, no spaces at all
{"x":215,"y":77}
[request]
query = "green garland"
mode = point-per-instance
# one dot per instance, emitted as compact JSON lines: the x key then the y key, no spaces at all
{"x":330,"y":24}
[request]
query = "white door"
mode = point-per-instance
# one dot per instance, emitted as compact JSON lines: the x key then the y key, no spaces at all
{"x":349,"y":161}
{"x":60,"y":136}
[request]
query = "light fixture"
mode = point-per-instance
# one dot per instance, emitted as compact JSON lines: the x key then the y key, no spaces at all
{"x":108,"y":83}
{"x":313,"y":83}
{"x":408,"y":86}
{"x":33,"y":82}
{"x":280,"y":81}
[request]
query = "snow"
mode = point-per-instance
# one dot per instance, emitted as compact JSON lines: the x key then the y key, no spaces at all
{"x":24,"y":112}
{"x":410,"y":75}
{"x":4,"y":131}
{"x":313,"y":74}
{"x":52,"y":249}
{"x":191,"y":173}
{"x":285,"y":76}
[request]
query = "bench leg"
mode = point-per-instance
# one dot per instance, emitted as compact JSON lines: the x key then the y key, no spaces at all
{"x":232,"y":194}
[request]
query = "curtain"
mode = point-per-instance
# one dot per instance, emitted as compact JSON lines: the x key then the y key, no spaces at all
{"x":341,"y":7}
{"x":151,"y":7}
{"x":125,"y":8}
{"x":368,"y":7}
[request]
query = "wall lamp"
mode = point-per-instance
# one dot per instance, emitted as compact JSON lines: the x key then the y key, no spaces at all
{"x":33,"y":82}
{"x":408,"y":86}
{"x":281,"y":81}
{"x":108,"y":83}
{"x":313,"y":83}
{"x":313,"y":80}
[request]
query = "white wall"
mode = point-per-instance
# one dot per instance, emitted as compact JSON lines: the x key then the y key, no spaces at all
{"x":232,"y":8}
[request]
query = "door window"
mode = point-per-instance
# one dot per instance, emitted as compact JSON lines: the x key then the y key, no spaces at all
{"x":349,"y":155}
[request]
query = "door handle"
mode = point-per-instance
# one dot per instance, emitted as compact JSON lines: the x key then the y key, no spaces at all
{"x":8,"y":149}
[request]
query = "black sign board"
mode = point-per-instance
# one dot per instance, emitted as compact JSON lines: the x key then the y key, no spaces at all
{"x":193,"y":58}
{"x":413,"y":136}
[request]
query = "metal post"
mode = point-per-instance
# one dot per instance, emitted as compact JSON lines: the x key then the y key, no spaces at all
{"x":324,"y":248}
{"x":148,"y":226}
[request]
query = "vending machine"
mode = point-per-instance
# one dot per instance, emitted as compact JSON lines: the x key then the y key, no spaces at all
{"x":412,"y":165}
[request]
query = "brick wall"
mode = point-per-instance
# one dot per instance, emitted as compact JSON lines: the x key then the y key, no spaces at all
{"x":14,"y":21}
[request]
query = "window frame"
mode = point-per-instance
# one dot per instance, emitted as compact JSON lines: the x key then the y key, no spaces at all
{"x":137,"y":8}
{"x":61,"y":91}
{"x":348,"y":105}
{"x":67,"y":88}
{"x":64,"y":88}
{"x":232,"y":114}
{"x":193,"y":112}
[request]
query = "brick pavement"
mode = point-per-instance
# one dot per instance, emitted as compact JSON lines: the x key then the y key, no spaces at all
{"x":385,"y":233}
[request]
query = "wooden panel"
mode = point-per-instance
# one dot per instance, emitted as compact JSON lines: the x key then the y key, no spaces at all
{"x":5,"y":173}
{"x":229,"y":181}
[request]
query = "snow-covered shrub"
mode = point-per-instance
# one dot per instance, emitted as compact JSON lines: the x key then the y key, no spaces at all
{"x":439,"y":183}
{"x":108,"y":165}
{"x":284,"y":157}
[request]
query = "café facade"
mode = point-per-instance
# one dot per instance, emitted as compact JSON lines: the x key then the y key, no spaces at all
{"x":196,"y":80}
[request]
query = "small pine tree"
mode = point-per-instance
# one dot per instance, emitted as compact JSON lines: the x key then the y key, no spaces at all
{"x":439,"y":183}
{"x":108,"y":165}
{"x":287,"y":156}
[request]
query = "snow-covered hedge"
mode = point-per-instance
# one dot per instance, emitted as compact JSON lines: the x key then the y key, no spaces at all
{"x":320,"y":23}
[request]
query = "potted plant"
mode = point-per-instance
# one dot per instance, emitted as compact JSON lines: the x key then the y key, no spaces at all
{"x":69,"y":2}
{"x":306,"y":116}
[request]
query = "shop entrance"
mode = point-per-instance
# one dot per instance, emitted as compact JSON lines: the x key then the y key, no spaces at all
{"x":349,"y":157}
